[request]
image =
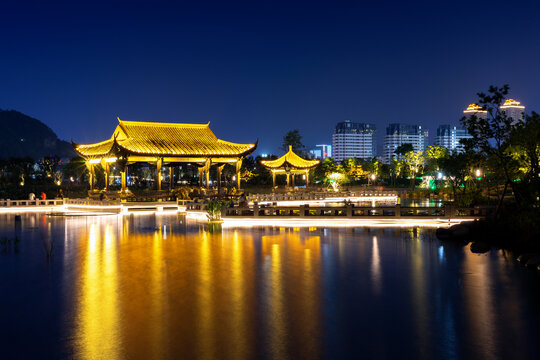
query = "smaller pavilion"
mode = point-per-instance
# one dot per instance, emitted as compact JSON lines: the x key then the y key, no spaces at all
{"x":290,"y":164}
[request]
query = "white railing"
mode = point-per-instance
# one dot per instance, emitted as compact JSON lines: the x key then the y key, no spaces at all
{"x":91,"y":202}
{"x":321,"y":196}
{"x":25,"y":203}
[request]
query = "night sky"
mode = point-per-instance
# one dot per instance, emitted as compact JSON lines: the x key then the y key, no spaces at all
{"x":258,"y":69}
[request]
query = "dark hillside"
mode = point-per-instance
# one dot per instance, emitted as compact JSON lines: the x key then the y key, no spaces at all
{"x":24,"y":136}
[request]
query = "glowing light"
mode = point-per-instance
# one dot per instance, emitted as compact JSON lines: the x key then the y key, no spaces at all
{"x":474,"y":108}
{"x":511,"y":103}
{"x":478,"y":173}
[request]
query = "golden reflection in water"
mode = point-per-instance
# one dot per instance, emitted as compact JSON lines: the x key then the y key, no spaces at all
{"x":479,"y":300}
{"x":292,"y":260}
{"x":238,"y":299}
{"x":158,"y":297}
{"x":98,"y":317}
{"x":310,"y":299}
{"x":205,"y":333}
{"x":276,"y":314}
{"x":195,"y":295}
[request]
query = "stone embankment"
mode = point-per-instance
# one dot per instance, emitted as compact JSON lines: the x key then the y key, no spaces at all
{"x":473,"y":232}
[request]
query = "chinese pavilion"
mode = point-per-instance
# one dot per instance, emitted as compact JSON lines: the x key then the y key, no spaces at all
{"x":163,"y":144}
{"x":289,"y":164}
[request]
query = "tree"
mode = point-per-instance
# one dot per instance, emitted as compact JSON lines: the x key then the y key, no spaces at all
{"x":403,"y":149}
{"x":525,"y":151}
{"x":433,"y":155}
{"x":491,"y":136}
{"x":294,"y":139}
{"x":414,"y":161}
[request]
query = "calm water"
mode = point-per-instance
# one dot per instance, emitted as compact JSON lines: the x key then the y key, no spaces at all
{"x":147,"y":287}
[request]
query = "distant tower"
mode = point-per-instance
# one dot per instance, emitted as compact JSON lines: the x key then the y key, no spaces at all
{"x":449,"y":137}
{"x":354,"y":140}
{"x":399,"y":134}
{"x":475,"y":110}
{"x":513,"y":110}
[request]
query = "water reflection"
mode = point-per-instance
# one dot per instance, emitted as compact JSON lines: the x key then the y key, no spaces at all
{"x":97,"y":334}
{"x":160,"y":287}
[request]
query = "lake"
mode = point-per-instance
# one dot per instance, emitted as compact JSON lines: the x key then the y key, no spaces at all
{"x":161,"y":286}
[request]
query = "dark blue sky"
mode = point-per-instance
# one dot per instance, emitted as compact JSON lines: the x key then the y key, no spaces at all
{"x":259,"y":69}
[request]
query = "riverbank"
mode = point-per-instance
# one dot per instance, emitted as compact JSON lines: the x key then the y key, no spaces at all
{"x":515,"y":231}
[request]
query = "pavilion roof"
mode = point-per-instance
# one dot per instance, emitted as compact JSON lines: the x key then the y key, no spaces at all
{"x":291,"y":159}
{"x":164,"y":139}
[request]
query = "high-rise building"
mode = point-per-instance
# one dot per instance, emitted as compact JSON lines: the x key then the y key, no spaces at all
{"x":321,"y":151}
{"x":354,"y":140}
{"x":475,"y":110}
{"x":449,"y":137}
{"x":326,"y":150}
{"x":399,"y":134}
{"x":514,"y":110}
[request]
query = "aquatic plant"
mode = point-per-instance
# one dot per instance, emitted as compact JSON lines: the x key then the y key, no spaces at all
{"x":213,"y":210}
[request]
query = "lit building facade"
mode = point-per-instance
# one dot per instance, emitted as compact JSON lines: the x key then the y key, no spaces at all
{"x":449,"y":137}
{"x":354,"y":140}
{"x":322,"y":151}
{"x":399,"y":134}
{"x":514,"y":110}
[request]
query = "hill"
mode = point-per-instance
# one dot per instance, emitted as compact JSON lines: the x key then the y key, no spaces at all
{"x":24,"y":136}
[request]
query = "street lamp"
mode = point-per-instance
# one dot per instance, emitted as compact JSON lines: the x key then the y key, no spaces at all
{"x":478,"y":173}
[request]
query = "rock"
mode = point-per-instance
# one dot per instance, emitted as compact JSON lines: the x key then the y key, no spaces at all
{"x":459,"y":230}
{"x":443,"y":234}
{"x":533,"y":262}
{"x":480,"y":247}
{"x":523,"y":258}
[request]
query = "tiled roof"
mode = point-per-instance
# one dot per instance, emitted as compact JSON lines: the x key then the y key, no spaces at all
{"x":294,"y":161}
{"x":166,"y":139}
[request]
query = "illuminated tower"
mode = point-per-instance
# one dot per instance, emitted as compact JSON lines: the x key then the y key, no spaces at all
{"x":513,"y":110}
{"x":475,"y":110}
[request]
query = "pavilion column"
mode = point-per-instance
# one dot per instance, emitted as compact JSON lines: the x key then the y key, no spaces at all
{"x":288,"y":179}
{"x":273,"y":180}
{"x":307,"y":178}
{"x":219,"y":170}
{"x":159,"y":163}
{"x":292,"y":175}
{"x":201,"y":175}
{"x":238,"y":168}
{"x":171,"y":177}
{"x":106,"y":170}
{"x":123,"y":175}
{"x":91,"y":171}
{"x":207,"y":165}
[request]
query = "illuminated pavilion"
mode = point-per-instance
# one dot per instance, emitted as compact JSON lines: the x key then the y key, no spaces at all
{"x":163,"y":144}
{"x":290,"y":164}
